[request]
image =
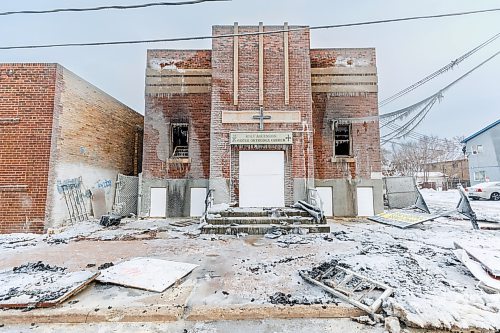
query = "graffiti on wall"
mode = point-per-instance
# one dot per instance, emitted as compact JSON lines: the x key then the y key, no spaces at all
{"x":76,"y":182}
{"x":104,"y":183}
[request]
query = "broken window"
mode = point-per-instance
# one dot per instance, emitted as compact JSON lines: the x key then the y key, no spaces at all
{"x":180,"y":140}
{"x":342,"y":140}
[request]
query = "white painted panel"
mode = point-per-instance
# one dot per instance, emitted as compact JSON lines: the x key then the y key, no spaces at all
{"x":197,"y":207}
{"x":365,"y":201}
{"x":158,"y":202}
{"x":146,"y":273}
{"x":262,"y":179}
{"x":326,"y":195}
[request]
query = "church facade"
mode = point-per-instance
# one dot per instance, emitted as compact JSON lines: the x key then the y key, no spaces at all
{"x":263,"y":120}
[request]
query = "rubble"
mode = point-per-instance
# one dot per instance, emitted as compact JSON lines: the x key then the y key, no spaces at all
{"x":39,"y":285}
{"x":356,"y":289}
{"x":110,"y":220}
{"x":280,"y":298}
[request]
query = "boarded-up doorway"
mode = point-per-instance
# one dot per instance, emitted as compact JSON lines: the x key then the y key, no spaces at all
{"x":197,"y":207}
{"x":262,"y":179}
{"x":158,"y":202}
{"x":326,"y":195}
{"x":365,"y":201}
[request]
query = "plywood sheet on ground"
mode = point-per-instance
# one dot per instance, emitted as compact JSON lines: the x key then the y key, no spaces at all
{"x":487,"y":282}
{"x":98,"y":203}
{"x":486,"y":255}
{"x":402,"y":219}
{"x":146,"y":273}
{"x":39,"y":285}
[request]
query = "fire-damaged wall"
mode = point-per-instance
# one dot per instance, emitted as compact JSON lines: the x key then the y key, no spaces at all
{"x":284,"y":95}
{"x":344,"y":91}
{"x":54,"y":126}
{"x":177,"y":127}
{"x":207,"y":109}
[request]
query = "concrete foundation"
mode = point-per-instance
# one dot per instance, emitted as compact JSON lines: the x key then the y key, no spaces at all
{"x":344,"y":194}
{"x":178,"y":195}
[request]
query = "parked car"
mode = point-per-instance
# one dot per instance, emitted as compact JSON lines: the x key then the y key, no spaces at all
{"x":488,"y":191}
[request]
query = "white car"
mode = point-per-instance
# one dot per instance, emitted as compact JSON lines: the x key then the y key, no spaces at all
{"x":488,"y":191}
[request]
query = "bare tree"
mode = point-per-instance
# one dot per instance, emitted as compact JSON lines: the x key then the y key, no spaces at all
{"x":409,"y":158}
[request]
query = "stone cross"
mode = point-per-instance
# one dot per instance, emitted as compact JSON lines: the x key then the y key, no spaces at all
{"x":261,"y":118}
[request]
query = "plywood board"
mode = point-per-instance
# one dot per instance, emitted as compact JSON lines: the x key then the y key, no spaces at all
{"x":488,"y":256}
{"x":365,"y":201}
{"x":326,"y":195}
{"x":158,"y":202}
{"x":246,"y":117}
{"x":486,"y":281}
{"x":98,"y":203}
{"x":402,"y":219}
{"x":146,"y":273}
{"x":198,"y":195}
{"x":40,"y":288}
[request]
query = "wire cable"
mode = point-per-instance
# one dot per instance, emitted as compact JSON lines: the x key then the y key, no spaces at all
{"x":146,"y":5}
{"x":409,"y":126}
{"x":440,"y":71}
{"x":178,"y":39}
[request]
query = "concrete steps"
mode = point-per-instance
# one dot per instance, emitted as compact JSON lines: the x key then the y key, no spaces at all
{"x":259,"y":221}
{"x":261,"y":212}
{"x":261,"y":229}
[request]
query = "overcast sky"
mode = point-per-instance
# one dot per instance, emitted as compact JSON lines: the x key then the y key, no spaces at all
{"x":406,"y":52}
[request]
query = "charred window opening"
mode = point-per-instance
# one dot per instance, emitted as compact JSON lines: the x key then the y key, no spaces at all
{"x":342,"y":140}
{"x":180,"y":140}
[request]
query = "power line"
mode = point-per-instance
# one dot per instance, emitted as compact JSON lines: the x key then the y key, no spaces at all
{"x":60,"y":10}
{"x":437,"y":73}
{"x":410,"y":125}
{"x":178,"y":39}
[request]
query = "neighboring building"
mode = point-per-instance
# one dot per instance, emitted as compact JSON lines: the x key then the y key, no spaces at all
{"x":456,"y":171}
{"x":261,"y":120}
{"x":483,"y":152}
{"x":434,"y":180}
{"x":55,"y":128}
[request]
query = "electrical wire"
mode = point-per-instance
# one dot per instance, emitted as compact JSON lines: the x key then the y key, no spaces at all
{"x":178,"y":39}
{"x":146,"y":5}
{"x":440,"y":71}
{"x":410,"y":125}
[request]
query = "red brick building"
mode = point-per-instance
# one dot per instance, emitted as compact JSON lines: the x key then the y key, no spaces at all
{"x":261,"y":119}
{"x":56,"y":129}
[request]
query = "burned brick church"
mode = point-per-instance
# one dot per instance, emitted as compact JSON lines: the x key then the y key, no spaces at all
{"x":262,"y":120}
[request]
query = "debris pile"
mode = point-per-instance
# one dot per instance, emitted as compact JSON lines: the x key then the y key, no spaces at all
{"x":280,"y":298}
{"x":39,"y":285}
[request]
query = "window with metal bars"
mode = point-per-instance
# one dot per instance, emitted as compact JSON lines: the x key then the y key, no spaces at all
{"x":180,"y":140}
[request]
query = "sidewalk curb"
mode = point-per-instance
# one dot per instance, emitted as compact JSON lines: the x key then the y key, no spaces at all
{"x":177,"y":312}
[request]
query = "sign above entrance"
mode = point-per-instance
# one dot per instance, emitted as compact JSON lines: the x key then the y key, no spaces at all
{"x":260,"y":138}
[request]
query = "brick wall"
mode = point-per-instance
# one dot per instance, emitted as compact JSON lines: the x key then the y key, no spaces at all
{"x":164,"y":109}
{"x":95,"y":137}
{"x":301,"y":161}
{"x":26,"y":109}
{"x":327,"y":106}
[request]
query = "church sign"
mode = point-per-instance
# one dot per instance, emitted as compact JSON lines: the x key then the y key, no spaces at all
{"x":260,"y":138}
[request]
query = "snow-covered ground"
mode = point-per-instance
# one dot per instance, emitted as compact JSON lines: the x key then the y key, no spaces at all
{"x":432,"y":288}
{"x":447,"y":200}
